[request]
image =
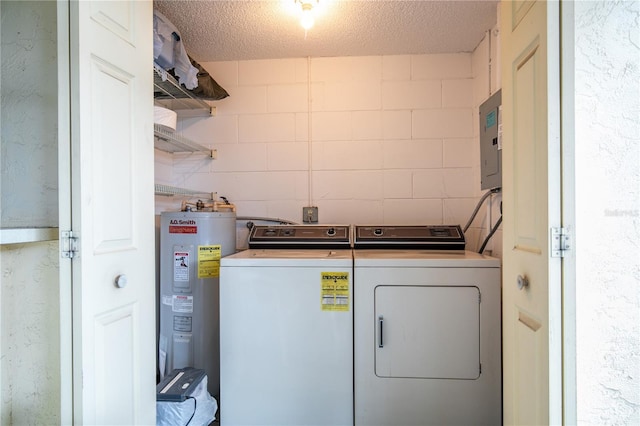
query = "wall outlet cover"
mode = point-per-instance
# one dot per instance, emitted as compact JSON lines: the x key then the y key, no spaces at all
{"x":310,"y":214}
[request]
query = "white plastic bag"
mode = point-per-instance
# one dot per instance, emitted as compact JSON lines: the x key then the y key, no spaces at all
{"x":169,"y":51}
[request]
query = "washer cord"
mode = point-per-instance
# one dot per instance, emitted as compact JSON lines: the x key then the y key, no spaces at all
{"x":475,"y":212}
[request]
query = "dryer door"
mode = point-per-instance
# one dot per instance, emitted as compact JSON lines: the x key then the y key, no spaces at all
{"x":430,"y":332}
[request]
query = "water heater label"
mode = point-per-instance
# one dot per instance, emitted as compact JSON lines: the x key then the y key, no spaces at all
{"x":183,"y":226}
{"x":209,"y":261}
{"x":334,"y":291}
{"x":180,"y":266}
{"x":181,"y":323}
{"x":182,"y":304}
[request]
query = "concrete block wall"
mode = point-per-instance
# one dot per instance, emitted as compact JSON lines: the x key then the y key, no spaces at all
{"x":30,"y":289}
{"x":377,"y":139}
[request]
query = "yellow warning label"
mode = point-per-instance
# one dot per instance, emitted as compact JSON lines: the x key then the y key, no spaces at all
{"x":209,"y":261}
{"x":335,"y":291}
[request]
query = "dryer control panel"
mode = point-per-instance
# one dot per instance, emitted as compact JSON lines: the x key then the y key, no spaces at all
{"x":300,"y":236}
{"x":432,"y":237}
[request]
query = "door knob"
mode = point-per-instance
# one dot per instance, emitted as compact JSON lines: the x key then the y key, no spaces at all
{"x":121,"y":281}
{"x":522,"y":282}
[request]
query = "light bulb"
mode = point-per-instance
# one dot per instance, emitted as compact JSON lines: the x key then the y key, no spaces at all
{"x":306,"y":20}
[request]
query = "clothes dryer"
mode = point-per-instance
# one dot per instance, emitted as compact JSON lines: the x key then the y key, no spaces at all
{"x":427,"y":341}
{"x":286,"y":328}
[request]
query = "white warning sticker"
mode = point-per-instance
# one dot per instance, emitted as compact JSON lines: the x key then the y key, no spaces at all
{"x":181,"y":266}
{"x":182,"y":303}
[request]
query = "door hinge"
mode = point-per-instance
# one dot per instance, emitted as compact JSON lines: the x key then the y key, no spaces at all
{"x":68,"y":245}
{"x":560,"y":242}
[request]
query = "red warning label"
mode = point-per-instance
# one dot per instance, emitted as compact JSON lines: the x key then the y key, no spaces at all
{"x":183,"y":229}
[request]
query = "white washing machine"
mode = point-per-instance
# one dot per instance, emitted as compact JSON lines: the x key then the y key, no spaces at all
{"x":286,"y":328}
{"x":427,"y":340}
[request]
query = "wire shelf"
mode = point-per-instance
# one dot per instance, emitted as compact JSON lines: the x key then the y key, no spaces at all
{"x":169,"y":191}
{"x":169,"y":141}
{"x":171,"y":94}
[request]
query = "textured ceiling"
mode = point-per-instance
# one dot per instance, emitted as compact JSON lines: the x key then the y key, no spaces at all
{"x":217,"y":30}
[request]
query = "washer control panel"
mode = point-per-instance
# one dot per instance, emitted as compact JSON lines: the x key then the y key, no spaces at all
{"x":434,"y":237}
{"x":300,"y":236}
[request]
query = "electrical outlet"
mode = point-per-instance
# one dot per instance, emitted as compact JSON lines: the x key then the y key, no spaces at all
{"x":310,"y":214}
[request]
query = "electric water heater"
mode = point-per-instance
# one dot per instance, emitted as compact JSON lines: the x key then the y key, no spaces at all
{"x":191,"y":245}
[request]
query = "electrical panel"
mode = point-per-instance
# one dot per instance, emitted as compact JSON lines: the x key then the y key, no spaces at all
{"x":491,"y":142}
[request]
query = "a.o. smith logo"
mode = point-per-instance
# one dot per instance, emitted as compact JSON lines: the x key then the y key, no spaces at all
{"x":182,"y":222}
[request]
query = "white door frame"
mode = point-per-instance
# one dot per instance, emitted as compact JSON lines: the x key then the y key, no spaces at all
{"x":568,"y":196}
{"x":64,"y":211}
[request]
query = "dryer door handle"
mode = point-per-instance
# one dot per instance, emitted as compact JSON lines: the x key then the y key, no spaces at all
{"x":380,"y":326}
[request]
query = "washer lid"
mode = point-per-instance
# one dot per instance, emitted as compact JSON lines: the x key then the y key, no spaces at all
{"x":290,"y":258}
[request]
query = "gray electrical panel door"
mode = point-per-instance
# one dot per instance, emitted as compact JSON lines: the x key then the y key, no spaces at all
{"x":491,"y":142}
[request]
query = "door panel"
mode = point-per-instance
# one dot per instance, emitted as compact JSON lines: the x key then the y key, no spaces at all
{"x":524,"y":153}
{"x":428,"y":332}
{"x":116,"y":386}
{"x":519,"y":10}
{"x":113,"y":152}
{"x":118,"y":17}
{"x":113,"y":212}
{"x":528,"y":367}
{"x":531,"y":200}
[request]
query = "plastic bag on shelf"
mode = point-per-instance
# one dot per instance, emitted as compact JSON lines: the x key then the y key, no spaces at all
{"x":169,"y":51}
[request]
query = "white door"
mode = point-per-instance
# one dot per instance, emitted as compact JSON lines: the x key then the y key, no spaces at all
{"x":113,"y":212}
{"x":532,"y":339}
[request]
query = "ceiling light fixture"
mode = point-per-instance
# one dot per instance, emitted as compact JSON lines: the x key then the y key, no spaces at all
{"x":307,"y":18}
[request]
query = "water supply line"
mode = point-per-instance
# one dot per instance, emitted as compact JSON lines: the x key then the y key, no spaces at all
{"x":475,"y":212}
{"x":482,"y":199}
{"x":278,"y":220}
{"x":309,"y":134}
{"x":493,"y":231}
